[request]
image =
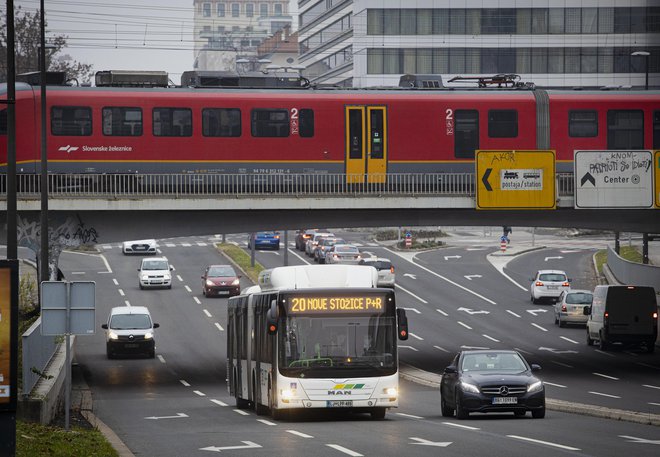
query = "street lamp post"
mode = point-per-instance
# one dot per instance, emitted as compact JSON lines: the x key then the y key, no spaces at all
{"x":644,"y":54}
{"x":43,"y":258}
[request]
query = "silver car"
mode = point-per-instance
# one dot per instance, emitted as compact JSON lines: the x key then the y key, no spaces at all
{"x":385,"y":270}
{"x":343,"y":253}
{"x":570,"y":307}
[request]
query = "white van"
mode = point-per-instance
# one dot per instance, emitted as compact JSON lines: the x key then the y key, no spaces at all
{"x":155,"y":272}
{"x":623,"y":314}
{"x":130,"y":330}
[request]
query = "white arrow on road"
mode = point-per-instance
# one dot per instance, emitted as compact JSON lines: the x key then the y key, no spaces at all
{"x":410,"y":275}
{"x":447,"y":257}
{"x":634,"y":439}
{"x":178,"y":416}
{"x":469,"y":311}
{"x":424,"y":442}
{"x":551,"y":258}
{"x":557,"y":351}
{"x":248,"y":445}
{"x":534,"y":312}
{"x":471,"y":276}
{"x":570,"y":251}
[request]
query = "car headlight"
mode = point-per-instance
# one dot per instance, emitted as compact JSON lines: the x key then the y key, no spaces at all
{"x":467,"y":387}
{"x":235,"y":282}
{"x":209,"y":282}
{"x":535,"y":387}
{"x":144,"y":277}
{"x":112,"y":335}
{"x":167,"y":277}
{"x":148,"y":335}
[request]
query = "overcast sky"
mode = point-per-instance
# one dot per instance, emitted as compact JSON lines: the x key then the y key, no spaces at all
{"x":124,"y":35}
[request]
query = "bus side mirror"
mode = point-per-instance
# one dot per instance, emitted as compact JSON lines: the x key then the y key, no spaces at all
{"x":402,"y":324}
{"x":272,"y":317}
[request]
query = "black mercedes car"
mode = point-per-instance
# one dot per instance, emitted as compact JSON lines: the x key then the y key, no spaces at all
{"x":491,"y":381}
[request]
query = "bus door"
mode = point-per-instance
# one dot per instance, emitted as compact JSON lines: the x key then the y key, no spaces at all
{"x":366,"y":144}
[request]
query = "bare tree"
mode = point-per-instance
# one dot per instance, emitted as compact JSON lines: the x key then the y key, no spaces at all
{"x":28,"y":38}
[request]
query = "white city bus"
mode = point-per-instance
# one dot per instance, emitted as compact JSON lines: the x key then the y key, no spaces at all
{"x":315,"y":336}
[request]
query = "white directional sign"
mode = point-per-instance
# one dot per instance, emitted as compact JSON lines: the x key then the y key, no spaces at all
{"x":614,"y":179}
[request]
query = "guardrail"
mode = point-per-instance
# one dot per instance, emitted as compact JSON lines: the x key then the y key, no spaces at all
{"x":37,"y":352}
{"x":118,"y":186}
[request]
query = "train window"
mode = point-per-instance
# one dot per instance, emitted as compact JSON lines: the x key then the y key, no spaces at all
{"x":273,"y":123}
{"x":306,"y":123}
{"x":221,"y":122}
{"x":376,"y":123}
{"x":355,"y":133}
{"x":625,"y":129}
{"x":71,"y":120}
{"x":3,"y":122}
{"x":466,"y":133}
{"x":656,"y":130}
{"x":172,"y":122}
{"x":122,"y":121}
{"x":582,"y":124}
{"x":503,"y":123}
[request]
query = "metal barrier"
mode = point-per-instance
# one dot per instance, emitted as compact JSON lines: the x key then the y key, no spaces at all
{"x":37,"y":352}
{"x":627,"y":272}
{"x":118,"y":186}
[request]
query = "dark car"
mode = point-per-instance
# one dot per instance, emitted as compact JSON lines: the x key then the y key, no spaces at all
{"x":265,"y":240}
{"x":491,"y":381}
{"x":220,"y":279}
{"x":302,"y":236}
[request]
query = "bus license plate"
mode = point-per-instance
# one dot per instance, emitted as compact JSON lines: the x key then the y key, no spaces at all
{"x":505,"y":400}
{"x":339,"y":403}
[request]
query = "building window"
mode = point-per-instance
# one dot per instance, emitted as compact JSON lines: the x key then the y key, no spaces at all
{"x":122,"y":121}
{"x":582,"y":124}
{"x":273,"y":123}
{"x":71,"y":120}
{"x":221,"y":122}
{"x":206,"y":9}
{"x":263,"y":9}
{"x":278,"y":9}
{"x":503,"y":123}
{"x":235,"y":10}
{"x":249,"y":9}
{"x":222,"y":9}
{"x":625,"y":129}
{"x":172,"y":122}
{"x":540,"y":21}
{"x":306,"y":123}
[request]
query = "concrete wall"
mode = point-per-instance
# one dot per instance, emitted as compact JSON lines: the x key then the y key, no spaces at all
{"x":627,"y":272}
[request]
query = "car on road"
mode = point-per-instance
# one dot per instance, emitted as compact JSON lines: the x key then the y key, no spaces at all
{"x":569,"y":309}
{"x":343,"y":253}
{"x":155,"y":272}
{"x":323,"y":246}
{"x":130,"y":330}
{"x":220,"y":280}
{"x":548,"y":284}
{"x":148,"y":247}
{"x":386,"y":276}
{"x":265,"y":240}
{"x":314,"y":240}
{"x":302,"y":236}
{"x":487,"y":381}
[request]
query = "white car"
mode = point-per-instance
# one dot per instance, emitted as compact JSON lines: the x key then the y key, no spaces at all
{"x":314,"y":240}
{"x":343,"y":253}
{"x":130,"y":329}
{"x":385,"y":269}
{"x":155,"y":272}
{"x":148,"y":247}
{"x":548,"y":284}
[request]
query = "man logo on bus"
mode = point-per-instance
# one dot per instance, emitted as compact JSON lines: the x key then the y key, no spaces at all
{"x":344,"y":389}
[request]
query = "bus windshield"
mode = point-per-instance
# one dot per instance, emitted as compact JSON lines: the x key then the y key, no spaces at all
{"x":325,"y":346}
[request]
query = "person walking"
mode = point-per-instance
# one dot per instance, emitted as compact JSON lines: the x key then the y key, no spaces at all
{"x":506,"y":230}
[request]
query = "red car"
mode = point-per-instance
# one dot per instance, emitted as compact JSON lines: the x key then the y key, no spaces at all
{"x":220,"y":280}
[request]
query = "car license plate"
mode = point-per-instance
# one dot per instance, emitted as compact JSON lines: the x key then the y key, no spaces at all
{"x":338,"y":403}
{"x":553,"y":287}
{"x":131,"y":345}
{"x":505,"y":400}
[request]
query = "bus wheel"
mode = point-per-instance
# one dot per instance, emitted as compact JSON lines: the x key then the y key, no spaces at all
{"x":378,"y":413}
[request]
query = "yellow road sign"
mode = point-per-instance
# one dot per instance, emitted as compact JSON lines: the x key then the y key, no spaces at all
{"x":515,"y":179}
{"x":656,"y":165}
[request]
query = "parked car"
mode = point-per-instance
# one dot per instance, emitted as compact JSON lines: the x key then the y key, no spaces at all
{"x":265,"y":240}
{"x":343,"y":253}
{"x":220,"y":279}
{"x":569,"y":309}
{"x":623,"y":314}
{"x":488,"y":381}
{"x":139,"y":247}
{"x":548,"y":284}
{"x":314,"y":240}
{"x":155,"y":272}
{"x":302,"y":236}
{"x":385,"y":269}
{"x":128,"y":330}
{"x":323,"y":246}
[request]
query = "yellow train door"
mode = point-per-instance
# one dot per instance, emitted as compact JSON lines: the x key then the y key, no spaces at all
{"x":366,"y":144}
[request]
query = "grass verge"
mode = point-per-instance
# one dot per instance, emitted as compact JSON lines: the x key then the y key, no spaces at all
{"x":242,"y":260}
{"x":36,"y":440}
{"x":629,"y":253}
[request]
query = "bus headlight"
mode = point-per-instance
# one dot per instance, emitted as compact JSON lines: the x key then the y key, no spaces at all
{"x":287,"y":394}
{"x":391,"y":391}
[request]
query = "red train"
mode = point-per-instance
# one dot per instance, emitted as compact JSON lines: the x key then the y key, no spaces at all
{"x":285,"y":130}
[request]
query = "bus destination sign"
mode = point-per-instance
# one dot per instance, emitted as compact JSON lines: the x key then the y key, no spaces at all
{"x":307,"y":304}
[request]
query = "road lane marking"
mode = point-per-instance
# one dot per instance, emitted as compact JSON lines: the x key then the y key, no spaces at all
{"x":115,"y":281}
{"x":408,"y":347}
{"x":300,"y":434}
{"x":554,"y":385}
{"x":197,"y":300}
{"x":188,"y":289}
{"x":411,"y":294}
{"x":647,"y":365}
{"x":414,"y":310}
{"x":415,"y":336}
{"x":569,"y":340}
{"x":442,"y":312}
{"x":201,"y":244}
{"x":539,"y":327}
{"x":605,"y":353}
{"x":185,"y":245}
{"x":161,"y":358}
{"x":266,"y":422}
{"x":241,"y":412}
{"x":344,"y":450}
{"x":523,"y":351}
{"x":184,"y":383}
{"x":170,"y":245}
{"x":127,"y":303}
{"x":219,"y":327}
{"x":206,"y":311}
{"x":464,"y":325}
{"x":547,"y":443}
{"x":654,"y":404}
{"x":466,"y":427}
{"x":562,"y":364}
{"x":606,"y":376}
{"x":441,"y":349}
{"x":409,"y":415}
{"x":218,"y":402}
{"x":201,"y":394}
{"x":121,"y":292}
{"x":179,"y":278}
{"x":491,"y":338}
{"x":650,"y":386}
{"x":604,"y":395}
{"x":511,"y":312}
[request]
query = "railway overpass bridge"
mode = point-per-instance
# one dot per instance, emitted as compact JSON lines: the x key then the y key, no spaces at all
{"x":89,"y":208}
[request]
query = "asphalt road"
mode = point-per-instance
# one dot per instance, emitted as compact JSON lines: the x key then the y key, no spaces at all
{"x":177,"y":404}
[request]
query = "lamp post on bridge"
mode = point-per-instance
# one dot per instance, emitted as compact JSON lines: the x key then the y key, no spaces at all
{"x":646,"y":55}
{"x":44,"y":269}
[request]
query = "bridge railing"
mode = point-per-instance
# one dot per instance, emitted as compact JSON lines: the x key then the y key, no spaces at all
{"x":118,"y":186}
